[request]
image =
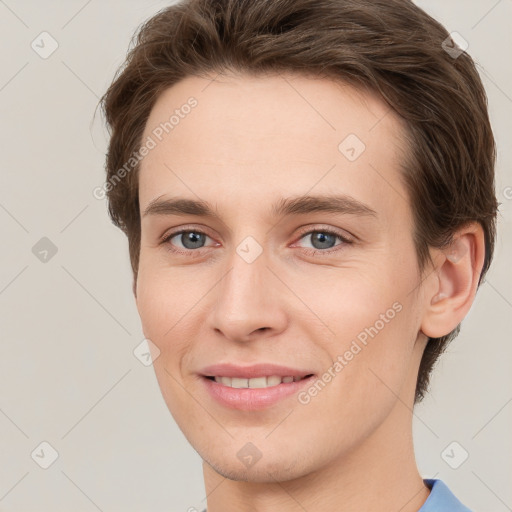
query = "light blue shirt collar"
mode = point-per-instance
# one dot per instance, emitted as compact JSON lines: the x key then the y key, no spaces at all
{"x":441,"y":499}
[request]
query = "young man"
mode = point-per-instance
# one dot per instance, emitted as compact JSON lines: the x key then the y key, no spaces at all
{"x":307,"y":188}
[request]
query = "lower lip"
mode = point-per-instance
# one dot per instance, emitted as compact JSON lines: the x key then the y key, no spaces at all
{"x":253,"y":399}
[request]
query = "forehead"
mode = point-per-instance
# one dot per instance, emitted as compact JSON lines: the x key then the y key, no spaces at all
{"x":253,"y":140}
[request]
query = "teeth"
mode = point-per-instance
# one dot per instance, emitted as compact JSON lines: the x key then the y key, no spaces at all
{"x":274,"y":380}
{"x":256,"y":382}
{"x":239,"y":383}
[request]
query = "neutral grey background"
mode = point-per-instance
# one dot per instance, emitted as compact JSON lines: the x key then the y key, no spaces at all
{"x":69,"y":326}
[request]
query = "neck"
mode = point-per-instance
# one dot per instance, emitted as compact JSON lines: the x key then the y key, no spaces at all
{"x":379,"y":475}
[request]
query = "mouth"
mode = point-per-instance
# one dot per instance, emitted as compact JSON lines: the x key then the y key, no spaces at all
{"x":262,"y":382}
{"x":253,"y":387}
{"x":254,"y":393}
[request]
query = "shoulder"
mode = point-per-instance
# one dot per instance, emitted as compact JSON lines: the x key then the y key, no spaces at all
{"x":441,"y":499}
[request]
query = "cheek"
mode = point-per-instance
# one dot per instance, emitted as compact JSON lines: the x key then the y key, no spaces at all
{"x":379,"y":372}
{"x":373,"y":323}
{"x":162,"y":292}
{"x":348,"y":301}
{"x":163,"y":311}
{"x":160,"y":303}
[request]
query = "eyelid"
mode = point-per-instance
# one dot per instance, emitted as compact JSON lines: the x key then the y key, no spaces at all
{"x":344,"y":235}
{"x":302,"y":231}
{"x":170,"y":233}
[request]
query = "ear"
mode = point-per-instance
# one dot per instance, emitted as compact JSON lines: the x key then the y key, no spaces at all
{"x":454,"y":281}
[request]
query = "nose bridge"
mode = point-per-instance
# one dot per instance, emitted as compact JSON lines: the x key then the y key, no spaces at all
{"x":242,"y":302}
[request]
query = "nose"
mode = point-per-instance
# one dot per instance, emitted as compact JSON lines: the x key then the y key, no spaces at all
{"x":249,"y":302}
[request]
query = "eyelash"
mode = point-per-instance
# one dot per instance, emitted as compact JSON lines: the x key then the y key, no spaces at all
{"x":313,"y":252}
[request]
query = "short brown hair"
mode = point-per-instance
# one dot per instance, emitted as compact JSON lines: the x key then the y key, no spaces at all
{"x":390,"y":47}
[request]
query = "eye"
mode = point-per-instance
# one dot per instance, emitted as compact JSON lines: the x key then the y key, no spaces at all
{"x":324,"y":239}
{"x":190,"y":239}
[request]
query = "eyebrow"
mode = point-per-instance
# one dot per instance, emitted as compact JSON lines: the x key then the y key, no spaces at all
{"x":339,"y":204}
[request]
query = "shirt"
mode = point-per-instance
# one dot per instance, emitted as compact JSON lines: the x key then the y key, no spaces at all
{"x":440,"y":499}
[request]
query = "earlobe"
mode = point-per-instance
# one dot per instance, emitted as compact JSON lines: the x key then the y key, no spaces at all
{"x":456,"y":280}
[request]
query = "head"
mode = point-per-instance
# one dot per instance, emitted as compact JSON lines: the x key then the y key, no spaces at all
{"x":274,"y":101}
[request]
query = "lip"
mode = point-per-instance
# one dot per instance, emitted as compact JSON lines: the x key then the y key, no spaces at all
{"x":253,"y":399}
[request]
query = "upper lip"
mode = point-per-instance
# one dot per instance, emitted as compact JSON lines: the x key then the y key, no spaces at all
{"x":254,"y":370}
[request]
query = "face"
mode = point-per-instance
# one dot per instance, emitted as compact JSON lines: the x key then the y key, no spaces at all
{"x":298,"y":253}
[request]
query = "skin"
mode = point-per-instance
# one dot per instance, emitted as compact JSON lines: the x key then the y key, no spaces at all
{"x":249,"y":142}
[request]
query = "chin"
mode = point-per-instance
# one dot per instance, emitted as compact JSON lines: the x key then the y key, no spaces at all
{"x":263,"y":471}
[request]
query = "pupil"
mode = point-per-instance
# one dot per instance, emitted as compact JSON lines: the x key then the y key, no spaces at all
{"x":192,"y":240}
{"x":324,"y":239}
